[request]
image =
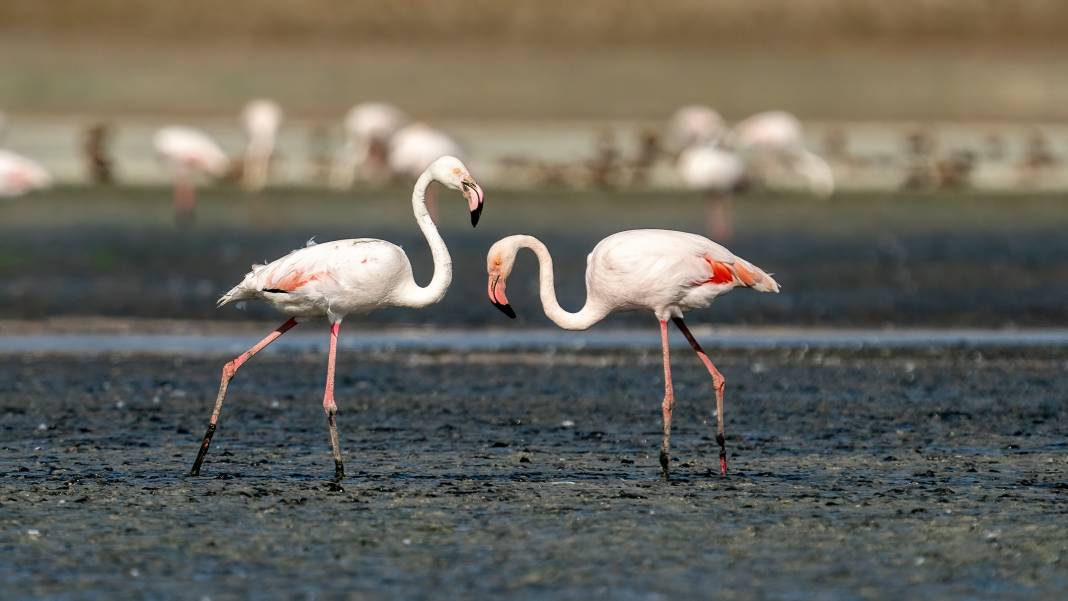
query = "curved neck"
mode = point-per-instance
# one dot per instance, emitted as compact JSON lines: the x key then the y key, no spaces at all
{"x":421,"y":296}
{"x":590,"y":313}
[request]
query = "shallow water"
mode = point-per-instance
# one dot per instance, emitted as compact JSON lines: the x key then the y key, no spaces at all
{"x":907,"y":473}
{"x":524,"y":339}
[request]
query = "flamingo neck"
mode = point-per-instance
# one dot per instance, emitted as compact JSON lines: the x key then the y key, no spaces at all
{"x":421,"y":296}
{"x":590,"y":313}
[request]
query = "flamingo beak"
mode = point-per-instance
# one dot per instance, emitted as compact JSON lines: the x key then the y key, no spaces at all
{"x":475,"y":198}
{"x":496,"y":294}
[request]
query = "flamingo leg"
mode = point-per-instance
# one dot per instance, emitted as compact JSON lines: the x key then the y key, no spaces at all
{"x":668,"y":404}
{"x":184,"y":199}
{"x":330,"y":406}
{"x":719,"y":382}
{"x":719,"y":216}
{"x":228,"y":372}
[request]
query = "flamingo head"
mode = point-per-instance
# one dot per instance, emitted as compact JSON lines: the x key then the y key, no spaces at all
{"x":453,"y":174}
{"x":499,"y":263}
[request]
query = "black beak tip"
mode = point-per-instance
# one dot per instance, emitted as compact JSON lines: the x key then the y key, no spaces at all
{"x":475,"y":215}
{"x":506,"y":309}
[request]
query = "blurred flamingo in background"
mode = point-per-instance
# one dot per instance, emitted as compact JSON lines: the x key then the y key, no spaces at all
{"x":19,"y":175}
{"x":368,"y":129}
{"x":662,"y":271}
{"x":188,"y":152}
{"x":335,"y":279}
{"x":261,"y":119}
{"x":416,"y":146}
{"x":718,"y":173}
{"x":777,"y":136}
{"x":694,"y":125}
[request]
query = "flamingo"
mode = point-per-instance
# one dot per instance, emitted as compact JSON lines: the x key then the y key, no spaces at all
{"x":416,"y":146}
{"x":261,"y":119}
{"x":777,"y":135}
{"x":663,"y":271}
{"x":718,"y":173}
{"x":188,"y":151}
{"x":693,"y":125}
{"x":19,"y":175}
{"x":368,"y":128}
{"x":335,"y":279}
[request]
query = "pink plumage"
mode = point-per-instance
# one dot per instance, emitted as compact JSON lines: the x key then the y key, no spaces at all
{"x":662,"y":271}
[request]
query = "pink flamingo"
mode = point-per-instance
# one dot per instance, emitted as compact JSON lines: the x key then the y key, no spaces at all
{"x":368,"y":129}
{"x":662,"y":271}
{"x":693,"y":125}
{"x":19,"y":175}
{"x":718,"y":173}
{"x":261,"y":119}
{"x":187,"y":152}
{"x":335,"y":279}
{"x":778,"y":136}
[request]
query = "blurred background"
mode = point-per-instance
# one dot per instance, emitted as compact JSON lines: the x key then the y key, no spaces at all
{"x":924,"y":188}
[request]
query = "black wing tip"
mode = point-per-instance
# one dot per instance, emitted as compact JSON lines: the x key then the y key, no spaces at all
{"x":506,"y":309}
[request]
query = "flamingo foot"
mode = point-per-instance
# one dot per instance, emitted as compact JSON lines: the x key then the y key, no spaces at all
{"x":722,"y":454}
{"x":203,"y":451}
{"x":339,"y":467}
{"x":665,"y":470}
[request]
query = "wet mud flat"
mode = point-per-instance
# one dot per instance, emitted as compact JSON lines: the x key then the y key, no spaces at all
{"x":931,"y":473}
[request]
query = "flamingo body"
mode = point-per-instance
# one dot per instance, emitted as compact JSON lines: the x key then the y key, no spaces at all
{"x":418,"y":145}
{"x":374,"y":120}
{"x":711,"y":169}
{"x":662,"y":271}
{"x":188,"y":150}
{"x":694,"y":124}
{"x":262,"y":119}
{"x":770,"y":130}
{"x":778,"y":135}
{"x":368,"y":128}
{"x":339,"y":278}
{"x":332,"y":279}
{"x":19,"y":175}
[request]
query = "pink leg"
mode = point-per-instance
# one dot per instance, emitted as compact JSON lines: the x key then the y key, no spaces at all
{"x":330,"y":406}
{"x":719,"y":216}
{"x":667,"y":405}
{"x":719,"y":382}
{"x":228,"y":372}
{"x":184,"y":200}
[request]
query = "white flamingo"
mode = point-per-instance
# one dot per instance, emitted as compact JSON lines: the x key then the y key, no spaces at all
{"x":777,"y":135}
{"x":718,"y":173}
{"x":662,"y":271}
{"x":694,"y":125}
{"x":368,"y":129}
{"x":19,"y":175}
{"x":261,"y":119}
{"x":416,"y":146}
{"x":335,"y":279}
{"x":188,"y":152}
{"x":413,"y":148}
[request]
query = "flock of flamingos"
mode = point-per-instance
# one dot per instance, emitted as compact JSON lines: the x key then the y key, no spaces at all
{"x":664,"y":272}
{"x":382,"y":143}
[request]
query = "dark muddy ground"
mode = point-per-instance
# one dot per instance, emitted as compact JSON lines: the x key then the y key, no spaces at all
{"x":912,"y":474}
{"x":859,"y":260}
